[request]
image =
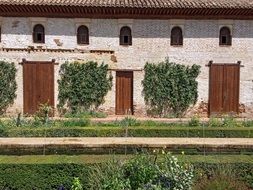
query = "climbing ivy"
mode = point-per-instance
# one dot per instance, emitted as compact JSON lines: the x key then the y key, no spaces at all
{"x":8,"y":85}
{"x":83,"y":86}
{"x":170,"y":88}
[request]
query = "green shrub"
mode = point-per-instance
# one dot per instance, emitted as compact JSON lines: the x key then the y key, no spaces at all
{"x":51,"y":176}
{"x":242,"y":171}
{"x":108,"y":176}
{"x":40,"y":176}
{"x":230,"y":121}
{"x":83,"y":86}
{"x":221,"y":183}
{"x":83,"y":122}
{"x":214,"y":122}
{"x":34,"y":122}
{"x":194,"y":122}
{"x":170,"y":88}
{"x":247,"y":123}
{"x":223,"y":177}
{"x":43,"y":113}
{"x":179,"y":175}
{"x":142,"y":172}
{"x":128,"y":121}
{"x":87,"y":114}
{"x":8,"y":85}
{"x":98,"y":114}
{"x":76,"y":184}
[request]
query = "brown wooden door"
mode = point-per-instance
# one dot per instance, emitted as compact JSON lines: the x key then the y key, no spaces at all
{"x":38,"y":85}
{"x":224,"y":88}
{"x":124,"y":92}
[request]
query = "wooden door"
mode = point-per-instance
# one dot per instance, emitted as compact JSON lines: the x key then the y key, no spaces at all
{"x":224,"y":88}
{"x":124,"y":92}
{"x":231,"y":88}
{"x":38,"y":85}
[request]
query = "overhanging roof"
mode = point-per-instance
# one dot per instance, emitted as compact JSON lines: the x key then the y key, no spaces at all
{"x":233,"y":9}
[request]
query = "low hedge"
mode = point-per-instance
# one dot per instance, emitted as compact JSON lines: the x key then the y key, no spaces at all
{"x":131,"y":132}
{"x":40,"y":176}
{"x":52,"y":176}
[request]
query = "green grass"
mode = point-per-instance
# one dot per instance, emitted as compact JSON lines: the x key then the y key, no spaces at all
{"x":91,"y":159}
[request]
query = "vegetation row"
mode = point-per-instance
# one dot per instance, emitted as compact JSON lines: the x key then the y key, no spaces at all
{"x":168,"y":88}
{"x":141,"y":172}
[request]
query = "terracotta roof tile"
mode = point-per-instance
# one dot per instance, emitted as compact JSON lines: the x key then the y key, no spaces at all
{"x":235,"y":4}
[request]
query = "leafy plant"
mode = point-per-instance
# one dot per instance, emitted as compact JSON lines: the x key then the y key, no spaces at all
{"x":170,"y":87}
{"x":8,"y":85}
{"x":175,"y":174}
{"x":76,"y":184}
{"x":247,"y":123}
{"x":43,"y":113}
{"x":194,"y":122}
{"x":230,"y":121}
{"x":224,"y":178}
{"x":38,"y":176}
{"x":143,"y":172}
{"x":128,"y":121}
{"x":87,"y":114}
{"x":214,"y":122}
{"x":108,"y":176}
{"x":83,"y":86}
{"x":81,"y":122}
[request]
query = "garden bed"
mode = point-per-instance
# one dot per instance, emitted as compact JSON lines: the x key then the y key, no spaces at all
{"x":140,"y":131}
{"x":49,"y":172}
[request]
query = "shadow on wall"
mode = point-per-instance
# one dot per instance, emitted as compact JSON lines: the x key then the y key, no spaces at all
{"x":140,"y":28}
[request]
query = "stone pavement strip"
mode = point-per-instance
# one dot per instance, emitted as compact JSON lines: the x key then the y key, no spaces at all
{"x":93,"y":142}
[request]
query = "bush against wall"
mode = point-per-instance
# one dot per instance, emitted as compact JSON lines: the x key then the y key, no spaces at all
{"x":83,"y":86}
{"x":170,"y":87}
{"x":8,"y":85}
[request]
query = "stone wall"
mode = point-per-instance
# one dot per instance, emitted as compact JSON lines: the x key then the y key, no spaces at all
{"x":151,"y":43}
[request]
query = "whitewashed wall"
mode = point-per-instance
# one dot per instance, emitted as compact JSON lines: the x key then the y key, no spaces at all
{"x":151,"y":43}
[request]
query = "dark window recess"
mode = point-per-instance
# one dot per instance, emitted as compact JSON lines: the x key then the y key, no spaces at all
{"x":82,"y":35}
{"x":176,"y":38}
{"x":38,"y":34}
{"x":126,"y":39}
{"x":225,"y":36}
{"x":125,"y":36}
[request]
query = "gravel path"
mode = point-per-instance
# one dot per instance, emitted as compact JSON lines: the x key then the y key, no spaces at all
{"x":111,"y":141}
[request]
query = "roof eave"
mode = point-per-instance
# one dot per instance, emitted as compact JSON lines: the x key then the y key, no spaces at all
{"x":120,"y":12}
